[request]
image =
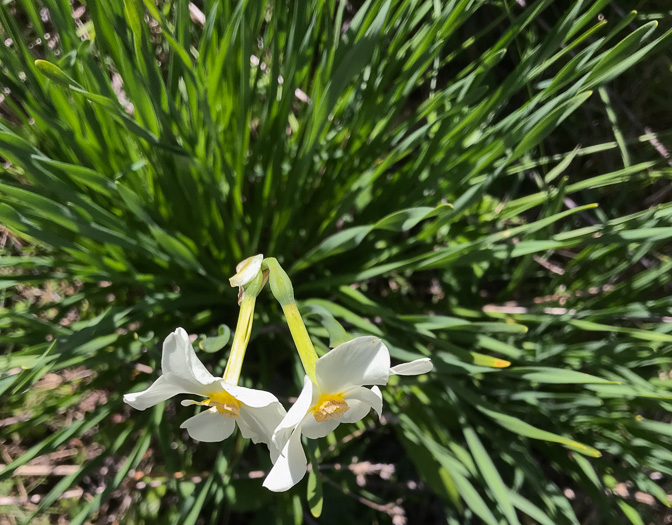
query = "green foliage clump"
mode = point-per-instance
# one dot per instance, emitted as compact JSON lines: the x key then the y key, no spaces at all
{"x":478,"y":181}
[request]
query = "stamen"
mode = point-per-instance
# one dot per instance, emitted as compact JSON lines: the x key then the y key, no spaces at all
{"x":225,"y":403}
{"x":329,"y":407}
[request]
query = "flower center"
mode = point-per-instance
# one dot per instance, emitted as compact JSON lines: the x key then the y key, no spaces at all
{"x":328,"y":407}
{"x":225,"y":403}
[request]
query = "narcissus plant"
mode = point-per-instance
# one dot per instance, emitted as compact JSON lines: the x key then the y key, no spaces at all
{"x":257,"y":413}
{"x":334,"y":389}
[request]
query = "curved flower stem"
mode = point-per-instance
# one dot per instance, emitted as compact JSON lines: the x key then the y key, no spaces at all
{"x":283,"y":291}
{"x":301,"y":339}
{"x":243,"y":329}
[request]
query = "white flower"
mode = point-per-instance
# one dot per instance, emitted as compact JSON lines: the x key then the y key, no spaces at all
{"x":257,"y":412}
{"x":247,"y":270}
{"x":337,"y":395}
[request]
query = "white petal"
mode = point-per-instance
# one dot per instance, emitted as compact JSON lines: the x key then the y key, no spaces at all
{"x":314,"y":429}
{"x":358,"y":410}
{"x":373,"y":398}
{"x":258,"y":424}
{"x":362,"y":361}
{"x":209,"y":426}
{"x":295,"y":414}
{"x":290,"y":466}
{"x":414,"y":368}
{"x":180,"y":359}
{"x":163,"y":388}
{"x":247,"y":270}
{"x":250,"y":396}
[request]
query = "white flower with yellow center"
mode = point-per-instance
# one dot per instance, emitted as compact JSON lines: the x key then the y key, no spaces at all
{"x":336,"y":394}
{"x":256,"y":412}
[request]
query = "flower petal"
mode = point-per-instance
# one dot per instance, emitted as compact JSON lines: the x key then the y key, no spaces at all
{"x":362,"y":361}
{"x":371,"y":397}
{"x":247,"y":270}
{"x":180,"y":360}
{"x":414,"y":368}
{"x":250,"y":396}
{"x":314,"y":429}
{"x":160,"y":390}
{"x":258,"y":424}
{"x":209,"y":426}
{"x":358,"y":410}
{"x":295,"y":414}
{"x":290,"y":466}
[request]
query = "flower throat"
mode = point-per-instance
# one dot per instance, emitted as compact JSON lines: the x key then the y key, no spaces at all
{"x":329,"y":407}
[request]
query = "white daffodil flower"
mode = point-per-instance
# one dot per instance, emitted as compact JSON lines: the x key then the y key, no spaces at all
{"x":247,"y":270}
{"x":336,"y":395}
{"x":257,"y":413}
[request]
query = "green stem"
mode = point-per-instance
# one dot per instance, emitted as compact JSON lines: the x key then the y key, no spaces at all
{"x":240,"y":340}
{"x":282,"y":289}
{"x":243,"y":329}
{"x":301,"y":339}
